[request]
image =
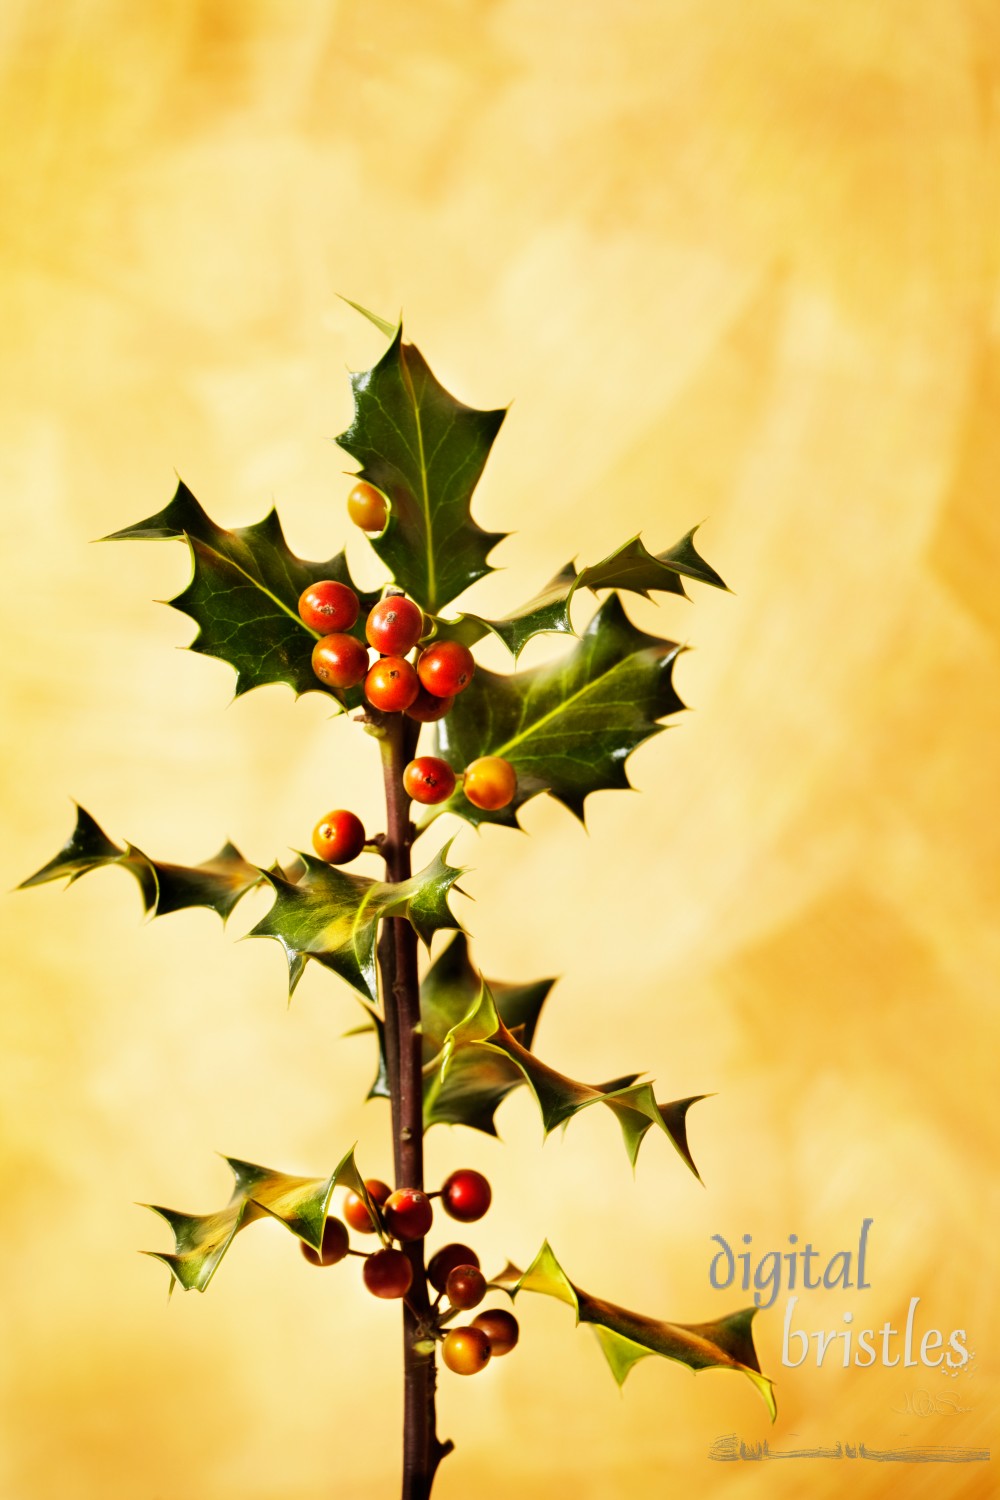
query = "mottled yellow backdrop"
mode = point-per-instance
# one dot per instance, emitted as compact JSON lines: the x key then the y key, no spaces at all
{"x":732,"y":263}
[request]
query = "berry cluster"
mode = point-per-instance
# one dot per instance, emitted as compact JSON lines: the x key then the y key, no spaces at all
{"x":424,"y":690}
{"x":453,"y":1271}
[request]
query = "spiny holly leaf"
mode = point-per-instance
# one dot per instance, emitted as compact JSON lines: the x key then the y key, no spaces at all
{"x":559,"y":1098}
{"x":300,"y":1203}
{"x":477,"y":1079}
{"x":244,"y":594}
{"x":567,"y":727}
{"x":332,"y":916}
{"x":631,"y":567}
{"x":626,"y":1337}
{"x":217,"y":883}
{"x":425,"y":451}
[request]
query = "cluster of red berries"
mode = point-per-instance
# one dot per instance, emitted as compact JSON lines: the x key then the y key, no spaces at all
{"x":453,"y":1272}
{"x":425,"y":690}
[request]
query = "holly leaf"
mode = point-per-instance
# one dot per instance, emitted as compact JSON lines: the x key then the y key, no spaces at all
{"x":483,"y":1031}
{"x":300,"y":1203}
{"x":477,"y":1080}
{"x":217,"y":883}
{"x":425,"y":451}
{"x":626,"y":1337}
{"x":567,"y":727}
{"x":634,"y":568}
{"x":244,"y":594}
{"x":332,"y":917}
{"x":631,"y":567}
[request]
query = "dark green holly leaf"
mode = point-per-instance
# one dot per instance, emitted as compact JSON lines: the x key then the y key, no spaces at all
{"x":300,"y":1203}
{"x":217,"y":883}
{"x":483,"y":1031}
{"x":567,"y":727}
{"x":244,"y":594}
{"x":477,"y":1079}
{"x":425,"y":451}
{"x":332,"y":916}
{"x":631,"y":567}
{"x":634,"y":568}
{"x":626,"y":1337}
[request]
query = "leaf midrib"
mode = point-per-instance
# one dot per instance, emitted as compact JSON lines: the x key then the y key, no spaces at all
{"x":564,"y":704}
{"x":425,"y":498}
{"x":262,"y":588}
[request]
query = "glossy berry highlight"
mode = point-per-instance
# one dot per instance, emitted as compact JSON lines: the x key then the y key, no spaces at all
{"x":327,"y":606}
{"x":408,"y":1214}
{"x":395,"y":625}
{"x":429,"y":780}
{"x":367,"y":508}
{"x":340,"y":661}
{"x":490,"y":782}
{"x":446,"y":668}
{"x":466,"y":1351}
{"x":391,"y":684}
{"x":355,"y":1210}
{"x":339,"y":837}
{"x":500,"y":1327}
{"x":336,"y":1242}
{"x":388,"y":1273}
{"x":466,"y":1195}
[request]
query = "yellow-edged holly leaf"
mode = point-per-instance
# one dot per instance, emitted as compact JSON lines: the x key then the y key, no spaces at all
{"x":217,"y":883}
{"x":559,"y":1098}
{"x":332,"y":916}
{"x":626,"y":1337}
{"x":300,"y":1203}
{"x":568,"y":727}
{"x":244,"y":594}
{"x":425,"y":451}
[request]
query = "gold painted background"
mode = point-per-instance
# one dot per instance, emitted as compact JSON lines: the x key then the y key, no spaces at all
{"x":734,"y":262}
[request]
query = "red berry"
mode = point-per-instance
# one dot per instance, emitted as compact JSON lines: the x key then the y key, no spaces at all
{"x":500,"y":1328}
{"x":408,"y":1214}
{"x":466,"y":1351}
{"x":426,"y":708}
{"x":446,"y":668}
{"x":339,"y":837}
{"x":341,"y":661}
{"x":327,"y":606}
{"x":465,"y":1287}
{"x":395,"y":625}
{"x":335,"y":1243}
{"x":355,"y":1211}
{"x":428,"y":779}
{"x":366,"y":507}
{"x":388,"y":1273}
{"x":445,"y":1260}
{"x":490,"y":782}
{"x":466,"y":1195}
{"x":391,"y":685}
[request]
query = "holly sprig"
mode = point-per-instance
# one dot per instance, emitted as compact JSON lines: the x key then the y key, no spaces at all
{"x":452,"y":1045}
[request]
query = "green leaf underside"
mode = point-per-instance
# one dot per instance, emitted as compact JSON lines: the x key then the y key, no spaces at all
{"x":217,"y":883}
{"x":477,"y":1080}
{"x":300,"y":1203}
{"x":626,"y":1337}
{"x":567,"y":727}
{"x":559,"y":1098}
{"x":630,"y":567}
{"x":425,"y":451}
{"x":320,"y":912}
{"x":244,"y":594}
{"x":332,"y":917}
